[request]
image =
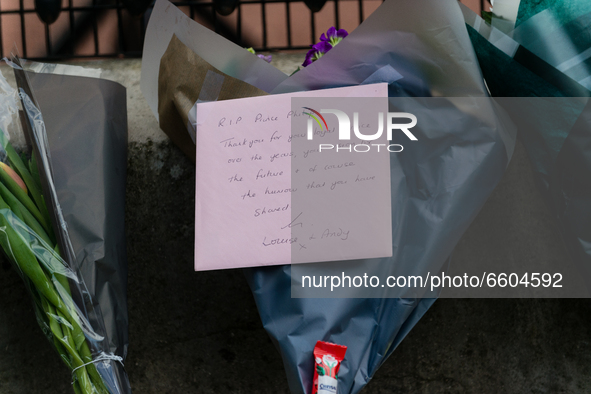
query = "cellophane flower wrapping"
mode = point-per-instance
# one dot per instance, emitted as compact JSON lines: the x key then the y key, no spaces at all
{"x":421,"y":49}
{"x":546,"y":55}
{"x":64,"y":231}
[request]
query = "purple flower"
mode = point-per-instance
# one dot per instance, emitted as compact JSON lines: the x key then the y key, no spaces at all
{"x":332,"y":38}
{"x":266,"y":58}
{"x":316,"y":52}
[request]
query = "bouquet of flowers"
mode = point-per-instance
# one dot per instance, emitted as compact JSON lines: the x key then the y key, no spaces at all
{"x":48,"y":221}
{"x":422,"y":51}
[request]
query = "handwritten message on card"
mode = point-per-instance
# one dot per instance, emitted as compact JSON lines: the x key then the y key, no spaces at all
{"x":266,"y":194}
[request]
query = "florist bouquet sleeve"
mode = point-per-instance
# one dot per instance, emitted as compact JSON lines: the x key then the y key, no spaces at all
{"x":421,"y":49}
{"x":544,"y":61}
{"x":62,"y":220}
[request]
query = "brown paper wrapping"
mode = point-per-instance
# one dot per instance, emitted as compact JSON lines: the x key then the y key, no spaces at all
{"x":180,"y":80}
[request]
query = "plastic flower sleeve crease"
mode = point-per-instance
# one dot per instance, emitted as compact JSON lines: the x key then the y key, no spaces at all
{"x":36,"y":239}
{"x":91,"y":147}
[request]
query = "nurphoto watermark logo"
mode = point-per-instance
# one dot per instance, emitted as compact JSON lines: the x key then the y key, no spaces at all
{"x":345,"y":130}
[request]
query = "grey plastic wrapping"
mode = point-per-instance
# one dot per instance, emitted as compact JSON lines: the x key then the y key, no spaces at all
{"x":167,"y":20}
{"x":77,"y":127}
{"x":62,"y":69}
{"x":209,"y":92}
{"x":425,"y":42}
{"x":552,"y":60}
{"x":419,"y":48}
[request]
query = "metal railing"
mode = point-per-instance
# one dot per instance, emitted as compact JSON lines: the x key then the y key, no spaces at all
{"x":59,"y":29}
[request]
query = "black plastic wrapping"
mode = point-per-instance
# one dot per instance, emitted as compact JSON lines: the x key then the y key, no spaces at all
{"x":86,"y":129}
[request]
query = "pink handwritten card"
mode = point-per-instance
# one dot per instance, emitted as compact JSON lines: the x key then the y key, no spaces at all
{"x":270,"y":189}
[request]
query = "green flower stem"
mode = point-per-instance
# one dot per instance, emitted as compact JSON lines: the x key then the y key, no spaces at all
{"x":61,"y":332}
{"x":42,"y":266}
{"x":29,"y":219}
{"x":56,"y":263}
{"x":25,"y":259}
{"x":80,"y":356}
{"x":81,"y":374}
{"x":79,"y":351}
{"x":49,"y":311}
{"x":17,"y":164}
{"x":77,"y":389}
{"x":23,"y":198}
{"x":22,"y":255}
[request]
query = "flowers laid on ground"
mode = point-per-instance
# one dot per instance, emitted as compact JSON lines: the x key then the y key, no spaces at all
{"x":36,"y":238}
{"x":28,"y":240}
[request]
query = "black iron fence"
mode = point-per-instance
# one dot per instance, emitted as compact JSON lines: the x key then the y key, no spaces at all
{"x":58,"y":29}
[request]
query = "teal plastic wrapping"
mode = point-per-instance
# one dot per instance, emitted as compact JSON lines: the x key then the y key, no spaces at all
{"x":553,"y":59}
